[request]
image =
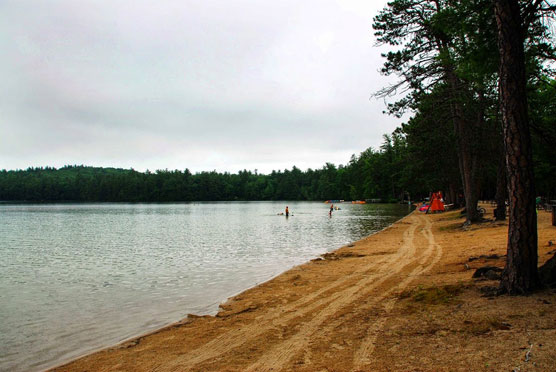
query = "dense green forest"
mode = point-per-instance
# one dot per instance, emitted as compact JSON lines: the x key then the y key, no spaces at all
{"x":478,"y":77}
{"x":446,"y":57}
{"x":372,"y":174}
{"x":402,"y":167}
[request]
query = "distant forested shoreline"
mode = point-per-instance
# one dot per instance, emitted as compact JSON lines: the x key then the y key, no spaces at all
{"x":403,"y":167}
{"x":366,"y":176}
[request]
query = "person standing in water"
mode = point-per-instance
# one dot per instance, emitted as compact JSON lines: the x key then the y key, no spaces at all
{"x":331,"y":209}
{"x":287,"y":211}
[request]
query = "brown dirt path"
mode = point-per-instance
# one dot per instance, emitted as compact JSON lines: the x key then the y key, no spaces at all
{"x":361,"y":308}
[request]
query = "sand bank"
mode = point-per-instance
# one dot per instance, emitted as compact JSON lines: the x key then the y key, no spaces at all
{"x":401,"y":300}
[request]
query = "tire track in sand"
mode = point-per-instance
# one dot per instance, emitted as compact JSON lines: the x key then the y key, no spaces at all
{"x":363,"y":356}
{"x":278,"y":357}
{"x":233,"y":339}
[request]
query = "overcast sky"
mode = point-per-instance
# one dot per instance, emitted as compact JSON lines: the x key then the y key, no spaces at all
{"x":204,"y":85}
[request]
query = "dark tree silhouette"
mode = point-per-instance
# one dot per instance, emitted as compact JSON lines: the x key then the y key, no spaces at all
{"x":520,"y":275}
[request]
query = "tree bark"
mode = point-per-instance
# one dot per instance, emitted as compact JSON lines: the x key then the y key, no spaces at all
{"x":466,"y":155}
{"x":520,"y":275}
{"x":501,"y":189}
{"x":452,"y":195}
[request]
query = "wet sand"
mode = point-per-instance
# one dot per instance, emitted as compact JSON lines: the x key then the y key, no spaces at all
{"x":400,"y":300}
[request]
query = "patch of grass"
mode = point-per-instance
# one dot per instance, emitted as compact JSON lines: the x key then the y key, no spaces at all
{"x":433,"y":295}
{"x":451,"y":227}
{"x":496,"y":323}
{"x":450,"y":216}
{"x":409,"y":309}
{"x":484,"y":326}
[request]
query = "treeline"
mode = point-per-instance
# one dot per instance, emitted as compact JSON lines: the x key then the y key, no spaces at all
{"x":88,"y":184}
{"x":373,"y":174}
{"x":409,"y":164}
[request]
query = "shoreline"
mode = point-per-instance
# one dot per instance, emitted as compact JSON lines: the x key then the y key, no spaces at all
{"x":331,"y":311}
{"x":185,"y":266}
{"x":182,"y":321}
{"x":210,"y":313}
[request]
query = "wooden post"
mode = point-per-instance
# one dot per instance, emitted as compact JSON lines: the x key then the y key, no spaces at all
{"x":553,"y":214}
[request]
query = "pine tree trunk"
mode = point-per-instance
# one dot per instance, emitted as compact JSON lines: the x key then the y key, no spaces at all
{"x":501,"y":190}
{"x":520,"y":275}
{"x":467,"y":160}
{"x":501,"y":174}
{"x":452,"y":195}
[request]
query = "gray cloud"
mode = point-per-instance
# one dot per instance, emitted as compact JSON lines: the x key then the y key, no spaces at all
{"x":223,"y":85}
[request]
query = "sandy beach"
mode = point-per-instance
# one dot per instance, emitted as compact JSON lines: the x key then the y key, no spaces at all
{"x":400,"y":300}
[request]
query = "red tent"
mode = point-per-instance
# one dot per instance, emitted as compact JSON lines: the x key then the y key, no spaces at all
{"x":436,"y":202}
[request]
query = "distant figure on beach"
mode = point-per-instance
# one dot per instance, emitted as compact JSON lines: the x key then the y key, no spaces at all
{"x":331,"y":209}
{"x":287,"y":211}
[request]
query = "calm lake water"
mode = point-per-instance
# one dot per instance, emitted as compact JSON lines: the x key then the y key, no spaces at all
{"x":77,"y":277}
